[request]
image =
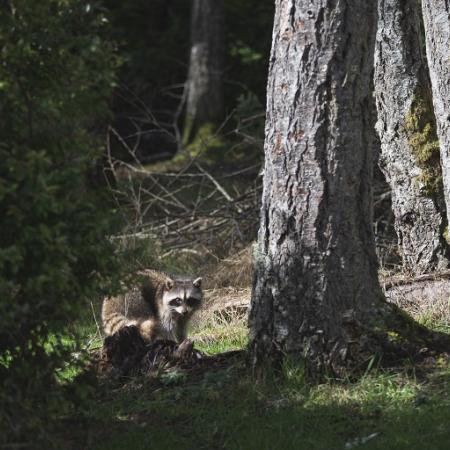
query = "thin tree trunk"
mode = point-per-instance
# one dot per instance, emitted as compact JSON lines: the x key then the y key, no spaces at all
{"x":315,"y":264}
{"x":204,"y":85}
{"x":406,"y":126}
{"x":436,"y":17}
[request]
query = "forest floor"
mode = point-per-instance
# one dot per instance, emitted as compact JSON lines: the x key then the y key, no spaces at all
{"x":225,"y":407}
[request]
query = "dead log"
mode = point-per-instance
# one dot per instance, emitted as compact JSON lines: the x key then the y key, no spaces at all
{"x":125,"y":354}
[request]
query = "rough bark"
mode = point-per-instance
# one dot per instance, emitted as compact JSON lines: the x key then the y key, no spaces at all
{"x":436,"y":17}
{"x":405,"y":127}
{"x":315,"y":264}
{"x":204,"y":85}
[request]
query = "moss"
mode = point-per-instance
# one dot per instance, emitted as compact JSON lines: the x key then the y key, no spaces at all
{"x":394,"y":336}
{"x":211,"y":147}
{"x":206,"y":141}
{"x":420,"y":126}
{"x":446,"y":235}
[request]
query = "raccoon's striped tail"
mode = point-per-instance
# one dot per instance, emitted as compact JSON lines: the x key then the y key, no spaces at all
{"x":115,"y":322}
{"x":150,"y":330}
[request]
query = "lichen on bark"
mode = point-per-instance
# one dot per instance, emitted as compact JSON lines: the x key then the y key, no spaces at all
{"x":420,"y":126}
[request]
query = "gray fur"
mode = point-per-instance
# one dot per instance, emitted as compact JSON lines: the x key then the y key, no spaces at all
{"x":160,"y":306}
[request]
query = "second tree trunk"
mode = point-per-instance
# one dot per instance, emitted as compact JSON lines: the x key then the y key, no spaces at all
{"x":409,"y":146}
{"x":436,"y":16}
{"x":204,"y":84}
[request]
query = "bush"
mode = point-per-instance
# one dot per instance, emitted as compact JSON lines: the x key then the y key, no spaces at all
{"x":56,"y":78}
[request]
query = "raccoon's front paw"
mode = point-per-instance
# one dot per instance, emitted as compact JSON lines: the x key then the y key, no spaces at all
{"x":184,"y":350}
{"x":148,"y":330}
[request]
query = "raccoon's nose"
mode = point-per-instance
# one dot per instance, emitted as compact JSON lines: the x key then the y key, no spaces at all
{"x":184,"y":312}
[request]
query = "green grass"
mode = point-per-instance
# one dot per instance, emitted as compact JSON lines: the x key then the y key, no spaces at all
{"x":230,"y":409}
{"x":222,"y":338}
{"x":430,"y":322}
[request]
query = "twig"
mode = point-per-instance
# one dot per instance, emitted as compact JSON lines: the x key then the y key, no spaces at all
{"x":391,"y":282}
{"x":219,"y":187}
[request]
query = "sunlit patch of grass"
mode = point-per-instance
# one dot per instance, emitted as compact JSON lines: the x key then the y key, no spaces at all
{"x":427,"y":319}
{"x":219,"y":331}
{"x":213,"y":340}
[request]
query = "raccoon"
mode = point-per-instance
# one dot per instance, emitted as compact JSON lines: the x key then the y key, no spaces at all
{"x":160,"y":306}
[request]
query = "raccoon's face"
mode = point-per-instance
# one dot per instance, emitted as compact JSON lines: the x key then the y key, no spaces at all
{"x":183,"y":296}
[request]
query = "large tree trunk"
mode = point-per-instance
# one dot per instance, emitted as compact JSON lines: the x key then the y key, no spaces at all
{"x":406,"y":126}
{"x":436,"y":16}
{"x":204,"y":85}
{"x":315,"y":264}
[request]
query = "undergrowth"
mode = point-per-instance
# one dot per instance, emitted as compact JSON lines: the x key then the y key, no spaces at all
{"x":228,"y":408}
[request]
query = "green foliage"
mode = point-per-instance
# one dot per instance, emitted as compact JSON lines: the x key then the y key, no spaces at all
{"x":420,"y":124}
{"x":246,"y":54}
{"x":249,"y":37}
{"x":56,"y":77}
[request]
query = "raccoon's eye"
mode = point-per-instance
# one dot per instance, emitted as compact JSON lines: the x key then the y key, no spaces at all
{"x":175,"y":302}
{"x":192,"y":301}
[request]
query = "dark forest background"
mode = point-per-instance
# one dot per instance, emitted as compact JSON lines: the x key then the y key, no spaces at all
{"x":153,"y":39}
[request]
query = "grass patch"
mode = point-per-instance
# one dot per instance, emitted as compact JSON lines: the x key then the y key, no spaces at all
{"x":428,"y":320}
{"x":212,"y":340}
{"x":228,"y":408}
{"x":217,"y":331}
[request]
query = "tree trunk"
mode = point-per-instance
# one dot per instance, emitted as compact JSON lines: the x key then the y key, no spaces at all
{"x":204,"y":85}
{"x":436,"y":17}
{"x":406,"y":126}
{"x":315,"y":264}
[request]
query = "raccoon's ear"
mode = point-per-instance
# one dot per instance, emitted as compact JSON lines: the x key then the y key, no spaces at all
{"x":169,"y":284}
{"x":197,"y":282}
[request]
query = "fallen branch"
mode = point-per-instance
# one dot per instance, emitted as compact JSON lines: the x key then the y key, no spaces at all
{"x":219,"y":187}
{"x":394,"y":281}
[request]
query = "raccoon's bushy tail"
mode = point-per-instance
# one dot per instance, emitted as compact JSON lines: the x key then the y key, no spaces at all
{"x":149,"y":329}
{"x":113,"y":322}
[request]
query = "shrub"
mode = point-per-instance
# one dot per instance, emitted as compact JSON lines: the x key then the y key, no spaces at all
{"x":56,"y":77}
